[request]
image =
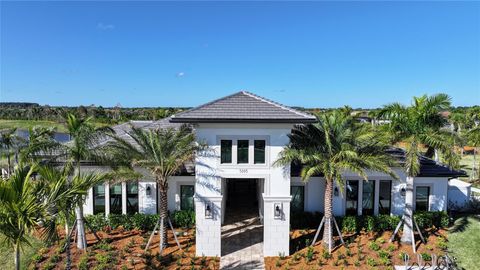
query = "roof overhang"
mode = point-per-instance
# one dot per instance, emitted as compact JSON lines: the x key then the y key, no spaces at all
{"x":236,"y":120}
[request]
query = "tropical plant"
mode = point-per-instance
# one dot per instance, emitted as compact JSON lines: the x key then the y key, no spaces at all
{"x":9,"y":144}
{"x":85,"y":139}
{"x":331,"y":146}
{"x":56,"y":185}
{"x":20,"y":209}
{"x":162,"y":152}
{"x":417,"y":125}
{"x":39,"y":145}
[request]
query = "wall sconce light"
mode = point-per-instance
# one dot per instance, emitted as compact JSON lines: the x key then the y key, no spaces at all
{"x":208,"y":210}
{"x":148,"y":191}
{"x":277,"y":211}
{"x":335,"y":191}
{"x":403,"y":191}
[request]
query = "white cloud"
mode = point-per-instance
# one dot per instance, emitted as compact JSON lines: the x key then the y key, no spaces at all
{"x":105,"y":27}
{"x":180,"y":74}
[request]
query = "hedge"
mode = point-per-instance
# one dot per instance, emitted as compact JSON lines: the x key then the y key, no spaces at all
{"x":424,"y":220}
{"x":144,"y":222}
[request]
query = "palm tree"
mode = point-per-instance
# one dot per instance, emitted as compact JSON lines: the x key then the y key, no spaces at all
{"x":9,"y":141}
{"x":163,"y":152}
{"x":83,"y":146}
{"x":418,"y":125}
{"x":330,"y":147}
{"x":474,"y":139}
{"x":20,"y":211}
{"x":56,"y":185}
{"x":40,"y":144}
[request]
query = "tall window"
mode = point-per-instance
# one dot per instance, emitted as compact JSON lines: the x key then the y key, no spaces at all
{"x":242,"y":151}
{"x":186,"y":197}
{"x":116,"y":199}
{"x":385,"y":197}
{"x":298,"y":199}
{"x":99,"y":199}
{"x":225,"y":151}
{"x":422,"y":195}
{"x":368,"y":197}
{"x":259,"y":151}
{"x":352,"y":197}
{"x":132,"y":198}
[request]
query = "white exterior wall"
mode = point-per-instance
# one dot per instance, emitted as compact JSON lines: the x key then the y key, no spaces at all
{"x":315,"y":190}
{"x":147,"y":204}
{"x":209,"y":174}
{"x":459,"y":193}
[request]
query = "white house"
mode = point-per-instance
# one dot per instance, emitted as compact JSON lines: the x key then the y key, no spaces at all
{"x":245,"y":134}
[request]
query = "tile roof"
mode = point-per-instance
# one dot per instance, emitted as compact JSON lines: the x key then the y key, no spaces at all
{"x":428,"y":167}
{"x":243,"y":107}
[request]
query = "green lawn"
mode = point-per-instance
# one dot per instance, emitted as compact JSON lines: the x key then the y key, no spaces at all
{"x":6,"y":254}
{"x":26,"y":124}
{"x":464,"y":241}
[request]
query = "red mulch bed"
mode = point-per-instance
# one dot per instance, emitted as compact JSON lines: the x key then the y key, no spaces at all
{"x":359,"y":253}
{"x":121,"y":249}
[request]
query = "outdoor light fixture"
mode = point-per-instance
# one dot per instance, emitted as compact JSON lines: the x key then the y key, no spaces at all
{"x":403,"y":192}
{"x":208,"y":210}
{"x":277,"y":210}
{"x":148,"y":191}
{"x":335,"y":192}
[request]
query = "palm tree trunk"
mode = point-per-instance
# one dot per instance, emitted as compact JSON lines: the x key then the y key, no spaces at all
{"x":9,"y":166}
{"x":408,"y":213}
{"x":16,"y":250}
{"x":474,"y":171}
{"x":67,"y":251}
{"x":327,"y":231}
{"x":163,"y":214}
{"x":81,"y":238}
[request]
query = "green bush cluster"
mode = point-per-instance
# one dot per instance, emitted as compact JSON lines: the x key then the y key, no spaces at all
{"x":303,"y":220}
{"x":144,"y":222}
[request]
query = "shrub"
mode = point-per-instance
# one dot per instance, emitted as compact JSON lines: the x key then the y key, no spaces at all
{"x":374,"y":246}
{"x":55,"y":258}
{"x":349,"y":224}
{"x":309,"y":255}
{"x":83,"y":262}
{"x":96,"y":222}
{"x":48,"y":266}
{"x":426,"y":220}
{"x":184,"y":218}
{"x":426,"y":257}
{"x":37,"y":258}
{"x":371,"y":262}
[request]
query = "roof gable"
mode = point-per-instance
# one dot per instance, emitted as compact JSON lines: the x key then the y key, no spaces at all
{"x":243,"y":107}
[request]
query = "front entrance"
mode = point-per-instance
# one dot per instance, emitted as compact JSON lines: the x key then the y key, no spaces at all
{"x":242,"y":231}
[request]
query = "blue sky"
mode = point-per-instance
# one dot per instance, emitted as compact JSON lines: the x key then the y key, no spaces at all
{"x":312,"y":54}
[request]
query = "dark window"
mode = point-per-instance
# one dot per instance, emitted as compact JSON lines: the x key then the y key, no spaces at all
{"x":132,"y":198}
{"x":259,"y":152}
{"x":368,"y":197}
{"x":385,"y":197}
{"x":298,"y":199}
{"x":99,"y":199}
{"x":116,"y":199}
{"x":422,"y":198}
{"x":242,"y":151}
{"x":226,"y":151}
{"x":186,"y":197}
{"x":352,"y":197}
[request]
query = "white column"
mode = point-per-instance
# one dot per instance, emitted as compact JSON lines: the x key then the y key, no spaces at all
{"x":208,"y":230}
{"x":360,"y":197}
{"x":376,"y":198}
{"x":276,"y":231}
{"x":124,"y":198}
{"x":107,"y":199}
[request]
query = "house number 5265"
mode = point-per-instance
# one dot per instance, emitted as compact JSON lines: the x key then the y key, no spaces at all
{"x":243,"y":170}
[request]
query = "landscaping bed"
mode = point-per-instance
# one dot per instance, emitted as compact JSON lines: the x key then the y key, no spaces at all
{"x":364,"y":250}
{"x":124,"y":249}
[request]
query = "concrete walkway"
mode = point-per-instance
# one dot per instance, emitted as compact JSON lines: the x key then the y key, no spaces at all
{"x":242,"y":242}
